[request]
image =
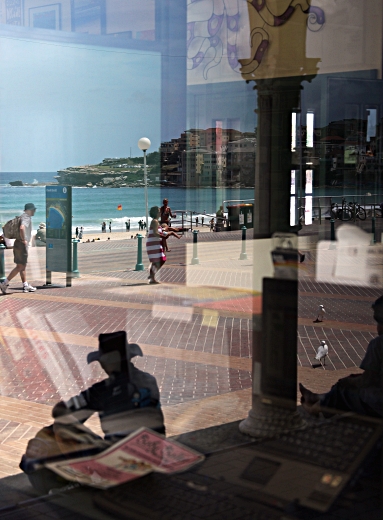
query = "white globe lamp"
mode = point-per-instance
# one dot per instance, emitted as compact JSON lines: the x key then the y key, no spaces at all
{"x":144,"y":144}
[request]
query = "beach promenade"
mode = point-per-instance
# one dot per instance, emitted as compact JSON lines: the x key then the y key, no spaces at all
{"x":194,"y":329}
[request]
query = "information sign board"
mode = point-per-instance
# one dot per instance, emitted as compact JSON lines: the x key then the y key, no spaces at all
{"x":59,"y":228}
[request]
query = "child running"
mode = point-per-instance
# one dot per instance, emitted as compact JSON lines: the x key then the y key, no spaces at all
{"x":168,"y":232}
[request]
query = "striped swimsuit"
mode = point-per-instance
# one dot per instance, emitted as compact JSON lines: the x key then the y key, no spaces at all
{"x":154,"y":247}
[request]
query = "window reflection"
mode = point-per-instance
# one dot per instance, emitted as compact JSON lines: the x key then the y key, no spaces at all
{"x":133,"y":20}
{"x":261,"y":114}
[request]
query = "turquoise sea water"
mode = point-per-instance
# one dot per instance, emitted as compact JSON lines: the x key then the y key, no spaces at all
{"x":93,"y":206}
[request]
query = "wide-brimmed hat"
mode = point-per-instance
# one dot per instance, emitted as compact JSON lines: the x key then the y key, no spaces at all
{"x":30,"y":205}
{"x":42,"y":225}
{"x":115,"y":341}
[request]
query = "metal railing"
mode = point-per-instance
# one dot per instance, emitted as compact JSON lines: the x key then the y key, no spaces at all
{"x":188,"y":217}
{"x":322,"y":205}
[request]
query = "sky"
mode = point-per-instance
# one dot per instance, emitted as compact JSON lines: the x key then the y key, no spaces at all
{"x":67,"y":105}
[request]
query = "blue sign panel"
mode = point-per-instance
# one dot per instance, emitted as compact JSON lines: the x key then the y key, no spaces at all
{"x":59,"y":228}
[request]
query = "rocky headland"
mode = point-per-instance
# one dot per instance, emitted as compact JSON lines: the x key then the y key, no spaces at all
{"x":111,"y":173}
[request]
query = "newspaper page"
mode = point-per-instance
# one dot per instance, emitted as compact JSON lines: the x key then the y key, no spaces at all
{"x":138,"y":454}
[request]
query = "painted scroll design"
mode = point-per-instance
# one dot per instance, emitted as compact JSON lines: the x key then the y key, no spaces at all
{"x":213,"y":22}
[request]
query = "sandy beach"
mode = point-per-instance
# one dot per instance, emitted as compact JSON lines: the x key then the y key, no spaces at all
{"x":123,"y":235}
{"x":114,"y":235}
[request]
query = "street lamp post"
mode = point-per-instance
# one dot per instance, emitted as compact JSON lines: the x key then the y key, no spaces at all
{"x":144,"y":144}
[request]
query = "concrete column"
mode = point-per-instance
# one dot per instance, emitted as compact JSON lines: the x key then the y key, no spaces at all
{"x":277,"y":99}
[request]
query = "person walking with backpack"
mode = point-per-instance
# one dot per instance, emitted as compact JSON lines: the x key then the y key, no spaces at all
{"x":20,"y":250}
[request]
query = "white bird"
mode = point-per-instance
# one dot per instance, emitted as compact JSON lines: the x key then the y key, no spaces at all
{"x":320,"y":315}
{"x":322,"y":352}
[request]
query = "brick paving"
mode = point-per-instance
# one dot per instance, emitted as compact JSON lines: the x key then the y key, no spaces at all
{"x":194,"y":328}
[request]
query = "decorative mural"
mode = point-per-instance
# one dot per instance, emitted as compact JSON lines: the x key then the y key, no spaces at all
{"x":235,"y":35}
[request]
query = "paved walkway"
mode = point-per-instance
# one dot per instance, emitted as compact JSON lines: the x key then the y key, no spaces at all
{"x":194,"y":328}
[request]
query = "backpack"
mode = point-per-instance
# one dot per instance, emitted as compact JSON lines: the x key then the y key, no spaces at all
{"x":12,"y":228}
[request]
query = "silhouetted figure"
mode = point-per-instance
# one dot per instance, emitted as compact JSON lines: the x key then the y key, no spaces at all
{"x":125,"y":401}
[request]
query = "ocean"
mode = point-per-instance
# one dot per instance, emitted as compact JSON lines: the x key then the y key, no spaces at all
{"x":92,"y":206}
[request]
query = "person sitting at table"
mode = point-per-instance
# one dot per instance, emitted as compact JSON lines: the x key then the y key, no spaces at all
{"x":125,"y":401}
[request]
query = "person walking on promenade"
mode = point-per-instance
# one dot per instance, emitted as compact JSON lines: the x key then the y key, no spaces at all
{"x":359,"y":393}
{"x":212,"y":224}
{"x":154,"y":245}
{"x":20,"y":250}
{"x":166,"y":213}
{"x":110,"y":226}
{"x":220,"y":218}
{"x":77,"y":232}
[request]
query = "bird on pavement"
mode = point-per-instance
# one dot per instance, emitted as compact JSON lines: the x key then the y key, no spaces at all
{"x":322,"y":353}
{"x":320,"y":315}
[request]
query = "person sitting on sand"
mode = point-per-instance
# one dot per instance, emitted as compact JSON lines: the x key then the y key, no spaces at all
{"x":359,"y":393}
{"x":169,"y":232}
{"x":40,"y":238}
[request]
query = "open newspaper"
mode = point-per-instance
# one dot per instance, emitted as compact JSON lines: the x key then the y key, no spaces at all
{"x":134,"y":456}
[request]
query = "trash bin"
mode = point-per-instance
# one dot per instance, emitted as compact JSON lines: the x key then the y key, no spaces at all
{"x":240,"y":215}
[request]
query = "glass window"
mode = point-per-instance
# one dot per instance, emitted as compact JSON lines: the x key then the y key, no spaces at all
{"x":240,"y":247}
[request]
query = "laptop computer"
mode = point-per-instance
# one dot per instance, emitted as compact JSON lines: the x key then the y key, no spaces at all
{"x":269,"y":480}
{"x":307,"y":466}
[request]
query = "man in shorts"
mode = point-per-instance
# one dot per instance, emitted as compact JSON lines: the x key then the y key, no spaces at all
{"x":20,"y":250}
{"x":166,"y":213}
